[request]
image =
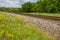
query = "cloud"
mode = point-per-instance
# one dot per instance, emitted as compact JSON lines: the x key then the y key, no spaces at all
{"x":30,"y":0}
{"x":26,"y":0}
{"x":9,"y":3}
{"x":13,"y":3}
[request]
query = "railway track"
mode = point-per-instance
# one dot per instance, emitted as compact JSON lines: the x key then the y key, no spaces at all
{"x":42,"y":16}
{"x":48,"y":24}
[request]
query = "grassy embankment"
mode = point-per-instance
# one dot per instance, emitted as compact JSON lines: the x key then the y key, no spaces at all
{"x":48,"y":14}
{"x":14,"y":28}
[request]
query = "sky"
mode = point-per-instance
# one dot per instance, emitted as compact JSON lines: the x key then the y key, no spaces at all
{"x":14,"y":3}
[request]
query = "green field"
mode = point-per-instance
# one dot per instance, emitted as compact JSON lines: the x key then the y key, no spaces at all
{"x":15,"y":28}
{"x":48,"y":14}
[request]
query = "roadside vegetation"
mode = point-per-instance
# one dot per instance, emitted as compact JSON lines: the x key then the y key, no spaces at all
{"x":15,"y":28}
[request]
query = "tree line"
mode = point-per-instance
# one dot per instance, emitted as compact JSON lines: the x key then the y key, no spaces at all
{"x":5,"y":9}
{"x":41,"y":6}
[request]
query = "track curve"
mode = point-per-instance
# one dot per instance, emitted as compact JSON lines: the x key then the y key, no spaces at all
{"x":42,"y":16}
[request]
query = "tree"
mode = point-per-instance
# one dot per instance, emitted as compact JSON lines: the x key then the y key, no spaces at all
{"x":27,"y":7}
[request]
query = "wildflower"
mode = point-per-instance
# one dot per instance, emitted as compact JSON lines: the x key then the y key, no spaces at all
{"x":9,"y":35}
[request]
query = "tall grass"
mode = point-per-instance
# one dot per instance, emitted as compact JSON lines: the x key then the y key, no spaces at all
{"x":14,"y":28}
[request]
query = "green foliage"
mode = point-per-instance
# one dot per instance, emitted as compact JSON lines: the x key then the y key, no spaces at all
{"x":43,"y":6}
{"x":48,"y":14}
{"x":14,"y":28}
{"x":15,"y":10}
{"x":27,"y":7}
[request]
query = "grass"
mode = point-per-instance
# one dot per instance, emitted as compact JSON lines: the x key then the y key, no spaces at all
{"x":15,"y":28}
{"x":48,"y":14}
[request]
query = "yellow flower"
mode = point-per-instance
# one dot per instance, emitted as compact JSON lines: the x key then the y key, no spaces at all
{"x":9,"y":35}
{"x":1,"y":33}
{"x":2,"y":25}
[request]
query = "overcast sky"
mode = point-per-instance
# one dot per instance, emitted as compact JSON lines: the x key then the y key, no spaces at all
{"x":13,"y":3}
